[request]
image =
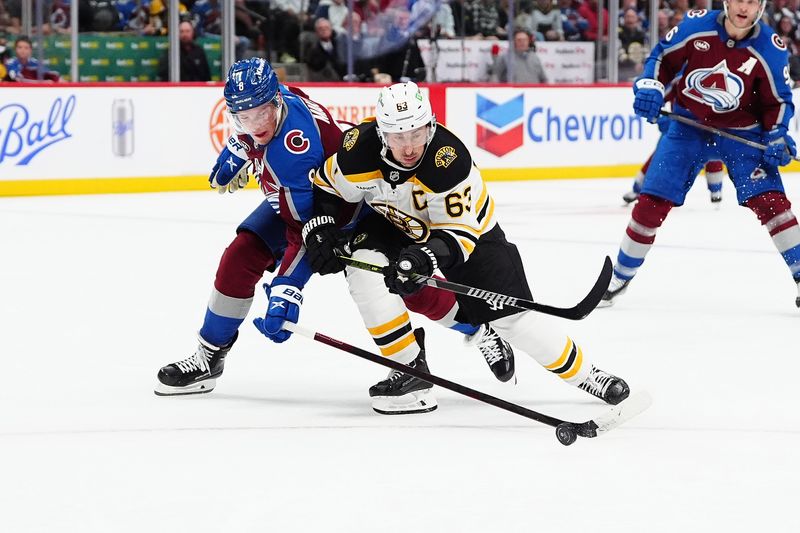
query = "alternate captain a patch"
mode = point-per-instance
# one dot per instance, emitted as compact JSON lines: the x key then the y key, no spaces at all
{"x":444,"y":156}
{"x":350,"y":139}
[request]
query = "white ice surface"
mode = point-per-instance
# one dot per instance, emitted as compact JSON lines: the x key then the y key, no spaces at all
{"x":98,"y":292}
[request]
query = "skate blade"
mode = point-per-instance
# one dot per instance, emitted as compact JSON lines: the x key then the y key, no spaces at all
{"x":413,"y":402}
{"x":201,"y":387}
{"x":604,"y":303}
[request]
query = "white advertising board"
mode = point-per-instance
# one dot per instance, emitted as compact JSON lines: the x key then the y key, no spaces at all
{"x":64,"y":132}
{"x":471,"y":60}
{"x":529,"y":128}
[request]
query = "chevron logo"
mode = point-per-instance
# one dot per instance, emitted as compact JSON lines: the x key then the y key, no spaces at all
{"x":499,"y":126}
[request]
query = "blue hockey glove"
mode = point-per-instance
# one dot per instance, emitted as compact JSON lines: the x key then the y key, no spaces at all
{"x":781,"y":148}
{"x":284,"y":304}
{"x":414,"y":259}
{"x":324,"y":243}
{"x":648,"y":98}
{"x":230,"y":172}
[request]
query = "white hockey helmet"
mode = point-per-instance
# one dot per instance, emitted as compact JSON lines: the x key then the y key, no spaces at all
{"x":761,"y":8}
{"x":402,"y":107}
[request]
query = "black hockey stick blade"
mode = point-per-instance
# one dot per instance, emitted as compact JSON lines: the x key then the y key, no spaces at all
{"x":577,"y":312}
{"x":566,"y":432}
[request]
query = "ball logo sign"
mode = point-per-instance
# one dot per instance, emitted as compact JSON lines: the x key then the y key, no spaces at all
{"x":219,"y":127}
{"x":499,"y":126}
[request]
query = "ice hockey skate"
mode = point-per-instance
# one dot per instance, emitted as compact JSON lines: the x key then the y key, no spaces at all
{"x":716,"y":196}
{"x":630,"y":196}
{"x":605,"y":386}
{"x":615,"y":288}
{"x":498,"y":353}
{"x":797,"y":299}
{"x":197,"y":373}
{"x":400,"y":393}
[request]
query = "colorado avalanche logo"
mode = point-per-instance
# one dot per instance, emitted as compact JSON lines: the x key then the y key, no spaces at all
{"x":296,"y":143}
{"x":778,"y":42}
{"x":716,"y":87}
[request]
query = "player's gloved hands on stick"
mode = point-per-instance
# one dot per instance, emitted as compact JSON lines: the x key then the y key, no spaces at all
{"x":324,"y":243}
{"x":781,"y":148}
{"x":230,"y":171}
{"x":648,"y":98}
{"x":284,"y":304}
{"x":414,"y":259}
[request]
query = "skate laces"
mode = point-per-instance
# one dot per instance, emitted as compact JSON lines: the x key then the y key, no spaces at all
{"x":489,"y":345}
{"x":597,"y":382}
{"x":197,"y":361}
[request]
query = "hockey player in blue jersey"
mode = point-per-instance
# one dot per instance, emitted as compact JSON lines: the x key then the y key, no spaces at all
{"x":735,"y":78}
{"x":283,"y":136}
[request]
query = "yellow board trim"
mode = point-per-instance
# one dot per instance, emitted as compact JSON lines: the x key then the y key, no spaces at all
{"x":106,"y":186}
{"x":47,"y":187}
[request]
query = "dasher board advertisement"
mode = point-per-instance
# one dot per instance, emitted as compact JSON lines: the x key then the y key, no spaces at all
{"x":543,"y":128}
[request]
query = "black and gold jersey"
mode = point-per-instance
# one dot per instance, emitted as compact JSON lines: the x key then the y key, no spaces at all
{"x":444,"y":193}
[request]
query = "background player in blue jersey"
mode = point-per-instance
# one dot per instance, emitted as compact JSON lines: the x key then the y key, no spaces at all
{"x":735,"y":77}
{"x":283,"y":136}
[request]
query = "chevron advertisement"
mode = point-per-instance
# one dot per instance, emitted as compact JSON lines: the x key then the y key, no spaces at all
{"x":527,"y":132}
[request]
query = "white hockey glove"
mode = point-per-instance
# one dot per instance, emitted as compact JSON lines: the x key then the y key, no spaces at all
{"x":231,"y":171}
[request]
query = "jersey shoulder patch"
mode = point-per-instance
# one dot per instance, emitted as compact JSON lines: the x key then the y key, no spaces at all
{"x":447,"y":162}
{"x":360,"y":150}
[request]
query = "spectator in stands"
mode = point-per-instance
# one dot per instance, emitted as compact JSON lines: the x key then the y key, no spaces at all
{"x":159,"y":17}
{"x":631,"y":30}
{"x":363,"y":49}
{"x":588,"y":10}
{"x":281,"y":30}
{"x":400,"y":58}
{"x":194,"y":65}
{"x":24,"y":67}
{"x":10,"y":16}
{"x":60,"y":16}
{"x":322,"y":58}
{"x":206,"y":16}
{"x":572,"y":23}
{"x":335,"y":12}
{"x":547,"y":21}
{"x":370,"y":13}
{"x":483,"y":19}
{"x":527,"y":67}
{"x":663,"y":23}
{"x":631,"y":50}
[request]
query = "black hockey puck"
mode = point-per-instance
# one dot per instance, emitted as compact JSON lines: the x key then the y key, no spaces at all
{"x":566,"y":433}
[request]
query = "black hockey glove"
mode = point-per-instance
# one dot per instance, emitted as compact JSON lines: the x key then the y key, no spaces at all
{"x":414,"y":259}
{"x":324,"y":242}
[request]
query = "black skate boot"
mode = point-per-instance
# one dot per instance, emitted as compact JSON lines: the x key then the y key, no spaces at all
{"x":797,"y":300}
{"x":497,"y":352}
{"x":616,"y":288}
{"x":400,"y":393}
{"x":605,"y":386}
{"x":197,"y":373}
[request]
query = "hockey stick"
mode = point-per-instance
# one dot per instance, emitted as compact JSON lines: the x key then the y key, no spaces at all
{"x":578,"y":312}
{"x":721,"y":133}
{"x":566,"y":432}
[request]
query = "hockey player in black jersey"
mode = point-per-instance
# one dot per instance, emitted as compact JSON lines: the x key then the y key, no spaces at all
{"x":431,"y":211}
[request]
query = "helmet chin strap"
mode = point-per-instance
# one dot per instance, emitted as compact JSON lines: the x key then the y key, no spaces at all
{"x":758,"y":17}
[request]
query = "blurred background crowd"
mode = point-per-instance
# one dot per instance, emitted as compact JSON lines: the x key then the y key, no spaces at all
{"x":342,"y":40}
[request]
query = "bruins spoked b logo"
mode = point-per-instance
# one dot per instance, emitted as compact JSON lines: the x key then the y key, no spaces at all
{"x":411,"y":226}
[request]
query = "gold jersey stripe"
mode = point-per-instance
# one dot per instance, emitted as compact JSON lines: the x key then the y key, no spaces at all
{"x":481,"y":198}
{"x":381,"y":330}
{"x":561,"y":360}
{"x":402,"y":343}
{"x":469,"y":246}
{"x":420,"y":184}
{"x":364,"y":176}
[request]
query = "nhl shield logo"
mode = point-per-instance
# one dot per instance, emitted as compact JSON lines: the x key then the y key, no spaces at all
{"x":394,"y":175}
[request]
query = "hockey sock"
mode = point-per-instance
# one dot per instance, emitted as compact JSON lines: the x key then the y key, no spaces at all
{"x":440,"y":307}
{"x":542,"y":338}
{"x":714,"y":176}
{"x":384,"y":314}
{"x":241,"y":267}
{"x":647,"y":216}
{"x":774,"y":210}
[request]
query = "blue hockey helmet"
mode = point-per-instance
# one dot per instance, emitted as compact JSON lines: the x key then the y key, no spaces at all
{"x":251,"y":83}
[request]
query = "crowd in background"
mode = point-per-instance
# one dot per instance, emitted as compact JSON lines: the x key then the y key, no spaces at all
{"x":379,"y":38}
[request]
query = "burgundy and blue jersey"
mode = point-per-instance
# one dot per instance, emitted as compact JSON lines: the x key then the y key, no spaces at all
{"x":723,"y":82}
